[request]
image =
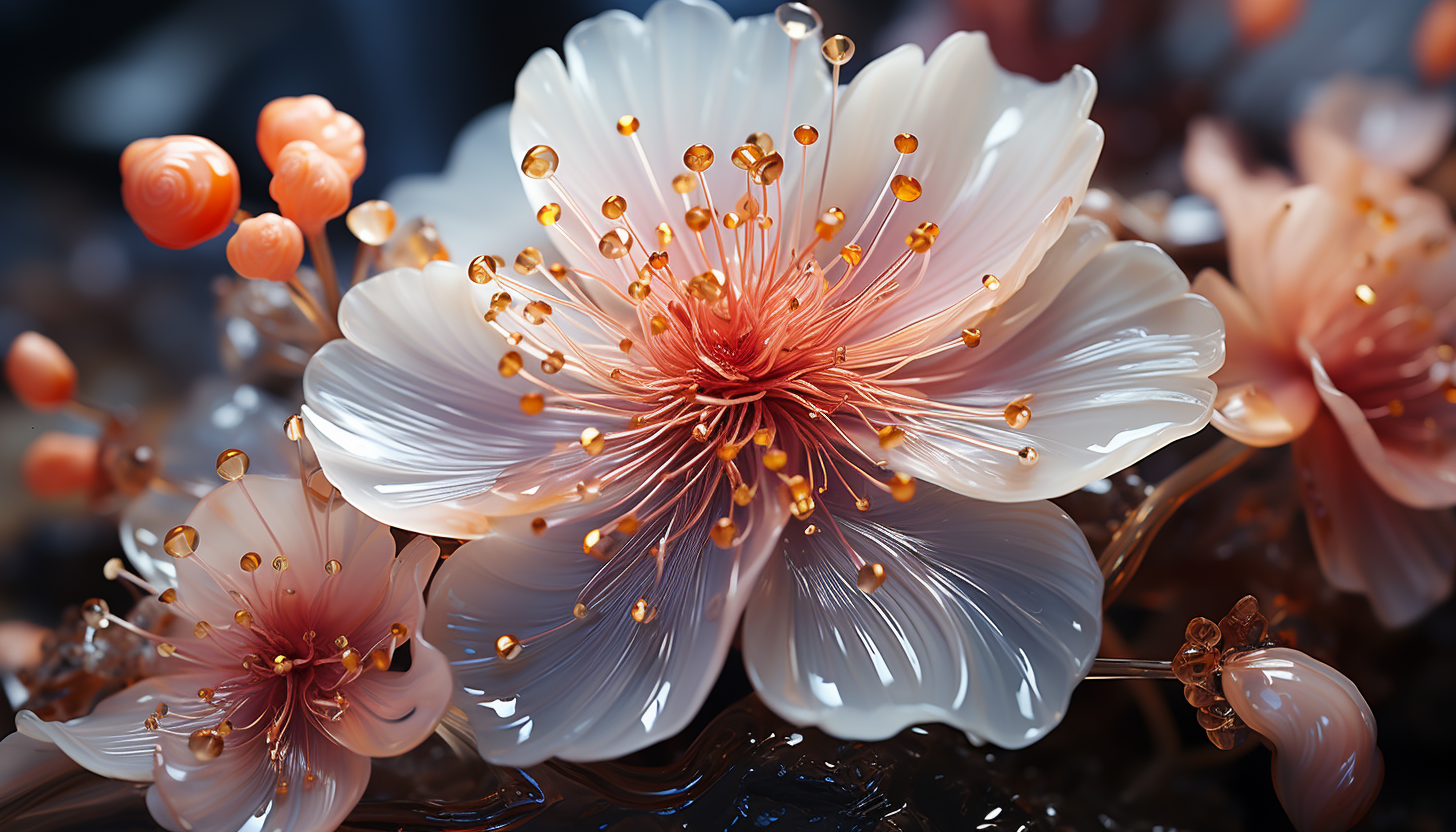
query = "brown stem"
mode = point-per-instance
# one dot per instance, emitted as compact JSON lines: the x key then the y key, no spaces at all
{"x":1103,"y":668}
{"x":363,"y":259}
{"x":323,"y":263}
{"x":1124,"y":554}
{"x":309,"y":306}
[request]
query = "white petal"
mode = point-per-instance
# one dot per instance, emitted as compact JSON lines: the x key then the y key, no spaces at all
{"x":410,"y":417}
{"x":604,"y":685}
{"x":26,"y":764}
{"x":989,"y":616}
{"x":111,"y":740}
{"x":1117,"y":365}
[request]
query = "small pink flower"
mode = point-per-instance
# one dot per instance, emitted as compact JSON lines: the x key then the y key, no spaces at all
{"x":276,"y":689}
{"x":1340,"y":324}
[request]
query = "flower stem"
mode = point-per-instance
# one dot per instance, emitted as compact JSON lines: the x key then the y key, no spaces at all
{"x":323,"y":263}
{"x":1124,"y":554}
{"x":1130,"y":669}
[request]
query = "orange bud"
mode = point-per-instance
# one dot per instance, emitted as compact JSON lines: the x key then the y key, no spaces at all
{"x":39,"y":371}
{"x":1262,"y":20}
{"x":266,"y":247}
{"x":1434,"y":43}
{"x":180,"y":190}
{"x":61,"y":464}
{"x":309,"y":186}
{"x":311,"y":118}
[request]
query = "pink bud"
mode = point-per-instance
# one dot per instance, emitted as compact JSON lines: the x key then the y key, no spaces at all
{"x":311,"y":118}
{"x":1434,"y":44}
{"x":61,"y":464}
{"x":180,"y":190}
{"x":309,"y":186}
{"x":266,"y":247}
{"x":39,"y":371}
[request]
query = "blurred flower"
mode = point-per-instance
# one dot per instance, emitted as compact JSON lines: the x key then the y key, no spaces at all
{"x":711,"y":422}
{"x":277,"y":692}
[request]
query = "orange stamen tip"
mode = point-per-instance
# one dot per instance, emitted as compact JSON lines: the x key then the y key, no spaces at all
{"x":1258,"y":21}
{"x":1434,"y":42}
{"x":40,"y":373}
{"x":311,"y":118}
{"x":266,"y":247}
{"x":61,"y":464}
{"x":180,"y":190}
{"x":309,"y":185}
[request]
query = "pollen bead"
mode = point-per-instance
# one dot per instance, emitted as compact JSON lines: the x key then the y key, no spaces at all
{"x":180,"y":542}
{"x":870,"y":578}
{"x":902,"y":488}
{"x":539,"y":162}
{"x":508,"y":647}
{"x":371,"y":222}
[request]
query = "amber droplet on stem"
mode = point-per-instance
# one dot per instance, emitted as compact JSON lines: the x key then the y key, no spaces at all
{"x":724,"y":532}
{"x":745,"y":156}
{"x":905,"y":188}
{"x":698,"y":158}
{"x":1018,"y":415}
{"x":1027,"y":455}
{"x":548,"y":214}
{"x":539,"y":162}
{"x":838,"y":50}
{"x":852,"y":254}
{"x":371,"y":222}
{"x":94,"y":613}
{"x":775,"y":459}
{"x":806,"y":134}
{"x":168,"y":596}
{"x":991,"y":282}
{"x":871,"y":577}
{"x":797,"y":20}
{"x":528,"y":260}
{"x":902,"y":488}
{"x":180,"y":542}
{"x":627,"y":125}
{"x":532,"y":404}
{"x":293,"y":428}
{"x":205,"y":744}
{"x":684,"y":184}
{"x":971,"y":337}
{"x":643,"y":612}
{"x":232,"y":464}
{"x":593,"y":441}
{"x":332,"y":566}
{"x":906,"y":143}
{"x":614,"y":206}
{"x":615,"y":244}
{"x":891,"y":437}
{"x":922,"y":237}
{"x":507,"y":647}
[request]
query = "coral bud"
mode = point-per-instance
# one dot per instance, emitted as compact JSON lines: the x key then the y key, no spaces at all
{"x":309,"y":185}
{"x":180,"y":190}
{"x":1434,"y":43}
{"x":61,"y":464}
{"x":266,"y":247}
{"x":311,"y":118}
{"x":1258,"y":21}
{"x":40,"y":373}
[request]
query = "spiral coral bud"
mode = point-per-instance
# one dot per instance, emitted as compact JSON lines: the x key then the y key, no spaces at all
{"x":61,"y":464}
{"x":309,"y":185}
{"x":266,"y":247}
{"x":311,"y":118}
{"x":1433,"y":46}
{"x":180,"y":190}
{"x":39,"y":371}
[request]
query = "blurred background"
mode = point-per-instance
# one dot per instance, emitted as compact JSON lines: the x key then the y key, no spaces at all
{"x":85,"y":79}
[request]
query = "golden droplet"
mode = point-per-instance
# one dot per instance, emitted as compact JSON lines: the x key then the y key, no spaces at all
{"x":762,"y":140}
{"x":341,"y":642}
{"x":765,"y":222}
{"x":697,"y":218}
{"x":371,"y":222}
{"x":244,"y":618}
{"x":657,"y":325}
{"x":510,"y":364}
{"x":332,"y":566}
{"x":991,"y":282}
{"x":250,"y":562}
{"x":593,"y":441}
{"x":539,"y":162}
{"x":1018,"y":415}
{"x":971,"y":337}
{"x":802,"y":509}
{"x":168,"y":596}
{"x":767,"y":170}
{"x":707,"y":286}
{"x":684,"y":183}
{"x":514,"y":338}
{"x":94,"y":613}
{"x":838,"y":50}
{"x":627,"y":125}
{"x":232,"y":464}
{"x":379,"y":659}
{"x":797,"y":20}
{"x":590,"y":541}
{"x":862,"y":503}
{"x":806,"y":134}
{"x":698,"y":158}
{"x":922,"y":237}
{"x":871,"y":577}
{"x":579,"y":610}
{"x":905,"y":188}
{"x":536,"y":312}
{"x":731,"y":220}
{"x":614,"y":206}
{"x":829,"y":224}
{"x":615,"y":244}
{"x":166,"y":650}
{"x":293,"y":428}
{"x":205,"y":694}
{"x":891,"y":437}
{"x":349,"y":658}
{"x":625,"y":345}
{"x":745,"y":156}
{"x":906,"y":142}
{"x":180,"y":542}
{"x":638,"y":290}
{"x":763,"y":436}
{"x":507,"y":647}
{"x":1364,"y":295}
{"x":728,"y":451}
{"x":557,"y":271}
{"x":852,"y":254}
{"x":201,"y":629}
{"x":500,"y":301}
{"x":553,"y":362}
{"x":902,"y":488}
{"x":528,"y":260}
{"x":205,"y":744}
{"x":532,"y":404}
{"x":742,"y":494}
{"x":548,"y":214}
{"x":151,"y":723}
{"x":538,"y":526}
{"x":629,"y":524}
{"x":799,"y":487}
{"x":724,"y":532}
{"x":642,"y":612}
{"x":775,"y":459}
{"x":280,"y":563}
{"x":224,"y":728}
{"x":1027,"y":455}
{"x":482,"y":267}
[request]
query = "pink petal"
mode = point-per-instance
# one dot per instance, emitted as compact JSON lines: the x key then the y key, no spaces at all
{"x":1400,"y":557}
{"x":602,"y":685}
{"x":1265,"y":397}
{"x":1381,"y":122}
{"x":26,"y":764}
{"x":988,"y":617}
{"x":1327,"y":770}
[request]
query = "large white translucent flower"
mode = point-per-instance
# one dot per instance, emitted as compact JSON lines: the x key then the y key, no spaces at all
{"x":737,"y":399}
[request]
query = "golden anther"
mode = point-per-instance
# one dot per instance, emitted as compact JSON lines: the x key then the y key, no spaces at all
{"x":1017,"y":415}
{"x":697,"y":218}
{"x":629,"y":524}
{"x":224,"y":728}
{"x":180,"y":542}
{"x":627,"y":125}
{"x":774,"y":459}
{"x":341,"y":642}
{"x":232,"y":464}
{"x":201,"y":629}
{"x":539,"y":162}
{"x":614,"y":206}
{"x":745,"y":156}
{"x":205,"y":745}
{"x":590,"y":541}
{"x":742,"y":494}
{"x":642,"y":612}
{"x":151,"y":723}
{"x":548,"y":214}
{"x":625,"y":345}
{"x":724,"y":532}
{"x":579,"y":610}
{"x":829,"y":224}
{"x":379,"y":659}
{"x":557,"y":271}
{"x":168,"y":596}
{"x":708,"y":286}
{"x":728,"y":451}
{"x":684,"y":184}
{"x":731,"y":220}
{"x":280,"y":563}
{"x":515,"y":338}
{"x":797,"y":20}
{"x":528,"y":260}
{"x":349,"y":658}
{"x":282,"y":665}
{"x":762,"y":140}
{"x":906,"y":142}
{"x":1027,"y":455}
{"x":206,"y":694}
{"x":971,"y":337}
{"x":806,"y":134}
{"x":638,"y":290}
{"x":871,"y":577}
{"x":553,"y":362}
{"x":922,"y":237}
{"x":333,"y":567}
{"x":802,"y":509}
{"x":166,"y":650}
{"x":747,"y":207}
{"x":862,"y":503}
{"x":1364,"y":295}
{"x":902,"y":487}
{"x":765,"y":222}
{"x":891,"y":437}
{"x":700,"y":432}
{"x":991,"y":282}
{"x":698,"y":158}
{"x":593,"y":441}
{"x":510,"y":364}
{"x":793,"y":304}
{"x":532,"y":404}
{"x":838,"y":50}
{"x":657,"y":325}
{"x":250,"y":562}
{"x":852,"y":254}
{"x":905,"y":188}
{"x":658,"y":259}
{"x":538,"y":526}
{"x":799,"y":487}
{"x":482,"y":268}
{"x":763,"y":436}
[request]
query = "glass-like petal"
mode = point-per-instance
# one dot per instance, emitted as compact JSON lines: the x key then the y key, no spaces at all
{"x":987,"y":618}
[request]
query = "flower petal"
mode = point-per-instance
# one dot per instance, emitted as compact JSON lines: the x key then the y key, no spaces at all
{"x":410,"y":417}
{"x":1265,"y":397}
{"x":1386,"y":123}
{"x":602,"y":685}
{"x":988,"y":617}
{"x":27,"y":763}
{"x":1116,"y":366}
{"x":111,"y":740}
{"x":1400,"y":557}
